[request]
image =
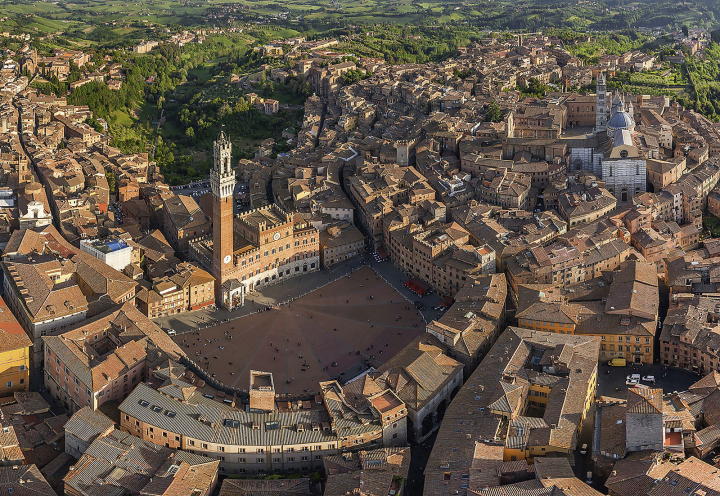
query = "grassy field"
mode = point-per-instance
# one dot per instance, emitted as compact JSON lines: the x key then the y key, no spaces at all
{"x":482,"y":13}
{"x":712,"y":224}
{"x":123,"y":118}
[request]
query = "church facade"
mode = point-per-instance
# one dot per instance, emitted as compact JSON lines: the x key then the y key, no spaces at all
{"x":612,"y":152}
{"x":253,"y":249}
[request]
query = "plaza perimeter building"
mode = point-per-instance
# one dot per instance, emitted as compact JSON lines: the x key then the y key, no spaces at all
{"x":256,"y":248}
{"x":177,"y":410}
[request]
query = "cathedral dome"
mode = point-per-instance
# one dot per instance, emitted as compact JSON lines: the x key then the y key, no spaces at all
{"x":621,"y":120}
{"x":32,"y":188}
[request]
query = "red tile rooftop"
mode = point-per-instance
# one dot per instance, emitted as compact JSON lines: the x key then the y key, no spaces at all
{"x":385,"y":402}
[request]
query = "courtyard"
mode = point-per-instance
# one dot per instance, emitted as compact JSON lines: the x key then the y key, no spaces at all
{"x":336,"y":331}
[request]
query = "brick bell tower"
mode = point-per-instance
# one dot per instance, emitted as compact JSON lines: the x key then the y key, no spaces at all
{"x":222,"y":180}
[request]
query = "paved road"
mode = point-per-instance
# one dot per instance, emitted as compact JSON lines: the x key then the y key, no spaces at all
{"x":37,"y":384}
{"x":419,"y":455}
{"x":583,"y":463}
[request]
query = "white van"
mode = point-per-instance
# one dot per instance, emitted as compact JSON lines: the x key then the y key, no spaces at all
{"x":171,"y":332}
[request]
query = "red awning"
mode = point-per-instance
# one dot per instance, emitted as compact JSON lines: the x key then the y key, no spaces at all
{"x":417,"y":286}
{"x":417,"y":282}
{"x":382,"y":253}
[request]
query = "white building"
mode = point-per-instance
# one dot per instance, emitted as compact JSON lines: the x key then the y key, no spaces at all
{"x":7,"y":199}
{"x":623,"y":169}
{"x":35,"y":216}
{"x":454,"y":186}
{"x":612,"y":153}
{"x":115,"y":253}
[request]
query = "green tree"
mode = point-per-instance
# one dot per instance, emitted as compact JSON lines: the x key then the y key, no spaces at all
{"x":190,"y":135}
{"x":111,"y":181}
{"x":494,"y":114}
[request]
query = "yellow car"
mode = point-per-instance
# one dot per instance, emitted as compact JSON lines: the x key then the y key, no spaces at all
{"x":617,"y":362}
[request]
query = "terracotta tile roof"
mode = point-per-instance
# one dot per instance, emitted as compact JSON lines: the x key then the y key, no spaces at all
{"x":468,"y":420}
{"x":636,"y":477}
{"x":43,"y":298}
{"x":24,"y":480}
{"x":418,"y":372}
{"x":610,"y":439}
{"x":645,"y":401}
{"x":139,"y":338}
{"x":43,"y":245}
{"x":370,"y":472}
{"x":10,"y":452}
{"x":693,"y":476}
{"x":553,"y":468}
{"x":12,"y":335}
{"x":119,"y":462}
{"x":276,"y":487}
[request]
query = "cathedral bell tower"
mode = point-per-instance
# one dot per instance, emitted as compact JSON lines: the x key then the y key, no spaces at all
{"x":222,"y":181}
{"x":601,"y":104}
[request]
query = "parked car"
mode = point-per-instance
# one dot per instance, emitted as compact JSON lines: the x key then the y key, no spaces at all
{"x":583,"y":450}
{"x":649,"y":378}
{"x":589,"y":478}
{"x":631,"y":382}
{"x":634,"y":376}
{"x":171,"y":332}
{"x":419,"y":305}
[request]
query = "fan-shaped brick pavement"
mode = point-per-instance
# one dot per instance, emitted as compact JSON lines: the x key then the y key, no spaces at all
{"x":335,"y":331}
